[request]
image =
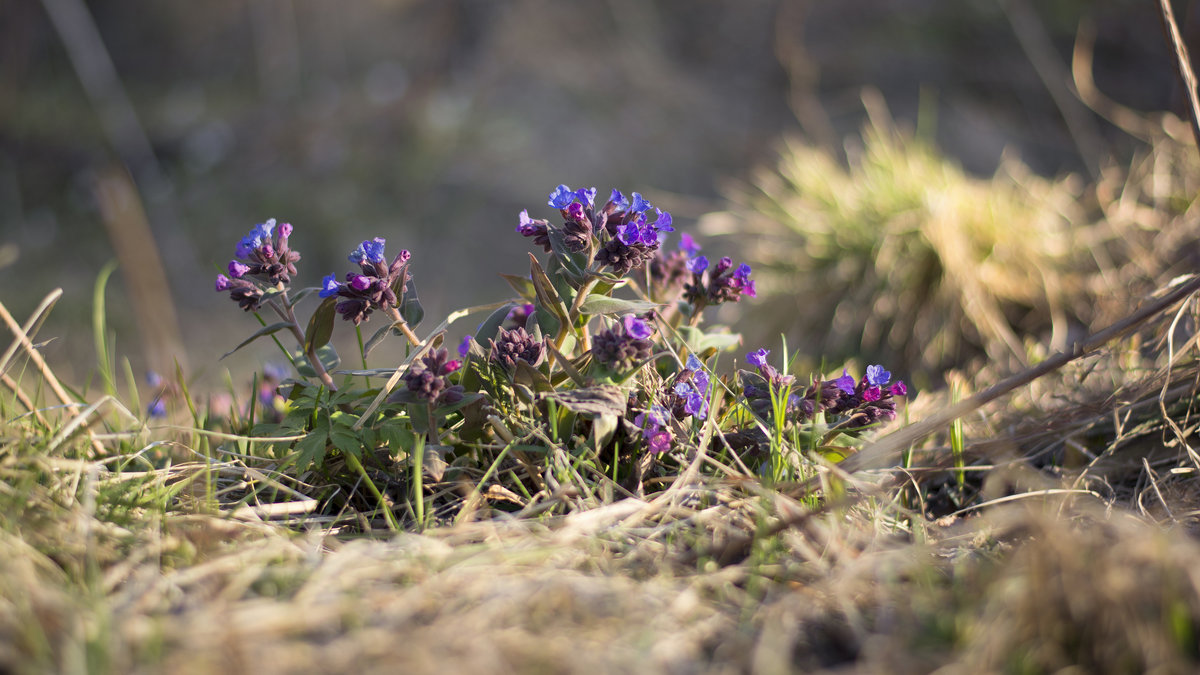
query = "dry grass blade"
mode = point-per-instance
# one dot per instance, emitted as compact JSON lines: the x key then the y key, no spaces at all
{"x":1183,"y":65}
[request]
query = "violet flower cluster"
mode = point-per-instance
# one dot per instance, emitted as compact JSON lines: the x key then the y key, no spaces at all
{"x":624,"y":347}
{"x":262,"y":261}
{"x":514,"y":345}
{"x":859,"y":403}
{"x":656,"y":433}
{"x":669,"y":271}
{"x":377,"y":286}
{"x":425,"y":379}
{"x":687,"y":393}
{"x":619,"y":233}
{"x":716,"y":284}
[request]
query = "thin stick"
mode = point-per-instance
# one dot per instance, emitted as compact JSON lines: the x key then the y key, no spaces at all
{"x":1183,"y":65}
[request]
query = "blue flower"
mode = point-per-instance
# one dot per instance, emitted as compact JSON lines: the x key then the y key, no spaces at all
{"x":157,"y":408}
{"x":693,"y":400}
{"x":561,"y":197}
{"x":636,"y":328}
{"x":329,"y":287}
{"x":640,"y":205}
{"x":464,"y":346}
{"x":877,"y":376}
{"x":619,"y":201}
{"x":369,"y":251}
{"x":697,"y":265}
{"x":587,"y":195}
{"x":525,"y":223}
{"x":259,"y":234}
{"x":758,"y":359}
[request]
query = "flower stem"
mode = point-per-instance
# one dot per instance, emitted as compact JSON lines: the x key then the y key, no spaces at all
{"x":401,"y":325}
{"x":383,"y":505}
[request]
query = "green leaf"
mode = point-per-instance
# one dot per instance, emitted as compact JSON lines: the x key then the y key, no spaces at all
{"x":491,"y":325}
{"x":603,"y":428}
{"x":410,"y":306}
{"x":311,"y":451}
{"x":699,"y":342}
{"x":597,"y":400}
{"x":320,"y":325}
{"x":573,"y":264}
{"x":523,"y":286}
{"x":531,"y":377}
{"x":261,"y":332}
{"x":347,"y":441}
{"x":376,"y":338}
{"x":328,"y":357}
{"x":602,"y":304}
{"x":547,"y":295}
{"x":467,"y":399}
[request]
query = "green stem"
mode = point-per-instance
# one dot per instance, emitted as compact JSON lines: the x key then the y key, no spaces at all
{"x":383,"y":505}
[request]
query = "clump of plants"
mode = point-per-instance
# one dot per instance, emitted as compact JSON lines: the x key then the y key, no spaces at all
{"x":597,"y":377}
{"x":899,"y":255}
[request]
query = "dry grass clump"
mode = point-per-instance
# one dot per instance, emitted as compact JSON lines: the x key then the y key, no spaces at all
{"x":902,"y":257}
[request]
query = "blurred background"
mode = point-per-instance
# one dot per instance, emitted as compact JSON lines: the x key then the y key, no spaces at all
{"x":147,"y":131}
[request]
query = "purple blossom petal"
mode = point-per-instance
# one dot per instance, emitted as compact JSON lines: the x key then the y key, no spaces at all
{"x":575,"y":211}
{"x":222,"y":282}
{"x":329,"y":287}
{"x":749,"y":288}
{"x":697,"y":265}
{"x":157,"y":408}
{"x":659,"y":442}
{"x":663,"y":223}
{"x":525,"y":224}
{"x":742,"y":273}
{"x":898,"y":389}
{"x":154,"y":379}
{"x":758,"y":359}
{"x":359,"y":282}
{"x":285,"y":230}
{"x":636,"y":328}
{"x":640,"y":205}
{"x":629,"y":234}
{"x":845,"y":382}
{"x":369,"y":251}
{"x":561,"y":197}
{"x":877,"y":376}
{"x":619,"y":200}
{"x":237,"y":270}
{"x":872,"y":394}
{"x":688,"y":245}
{"x":464,"y":346}
{"x":588,"y":195}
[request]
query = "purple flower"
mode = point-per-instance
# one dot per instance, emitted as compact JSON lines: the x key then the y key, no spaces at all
{"x":845,"y":382}
{"x":575,"y":211}
{"x":872,"y":394}
{"x":237,"y":270}
{"x":688,"y":245}
{"x":663,"y":222}
{"x":222,"y":283}
{"x":758,"y":359}
{"x":157,"y":408}
{"x":464,"y":346}
{"x":640,"y":205}
{"x":368,"y":251}
{"x":697,"y":265}
{"x":329,"y":287}
{"x":154,"y":379}
{"x":700,"y":376}
{"x":877,"y":377}
{"x":525,"y":224}
{"x":629,"y":234}
{"x":285,"y":230}
{"x":653,"y":425}
{"x":898,"y":389}
{"x":358,"y":282}
{"x":259,"y":235}
{"x":693,"y":399}
{"x":561,"y":197}
{"x":636,"y":328}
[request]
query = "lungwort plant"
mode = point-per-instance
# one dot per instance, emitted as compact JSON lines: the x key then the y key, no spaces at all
{"x":595,"y":378}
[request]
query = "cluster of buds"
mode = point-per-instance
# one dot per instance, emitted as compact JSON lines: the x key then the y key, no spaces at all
{"x":262,"y":261}
{"x":377,"y":286}
{"x":669,"y":270}
{"x":515,"y":345}
{"x":860,"y":403}
{"x":425,"y":380}
{"x":623,"y":348}
{"x":718,"y":284}
{"x":619,"y":233}
{"x":655,"y":430}
{"x":687,"y":394}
